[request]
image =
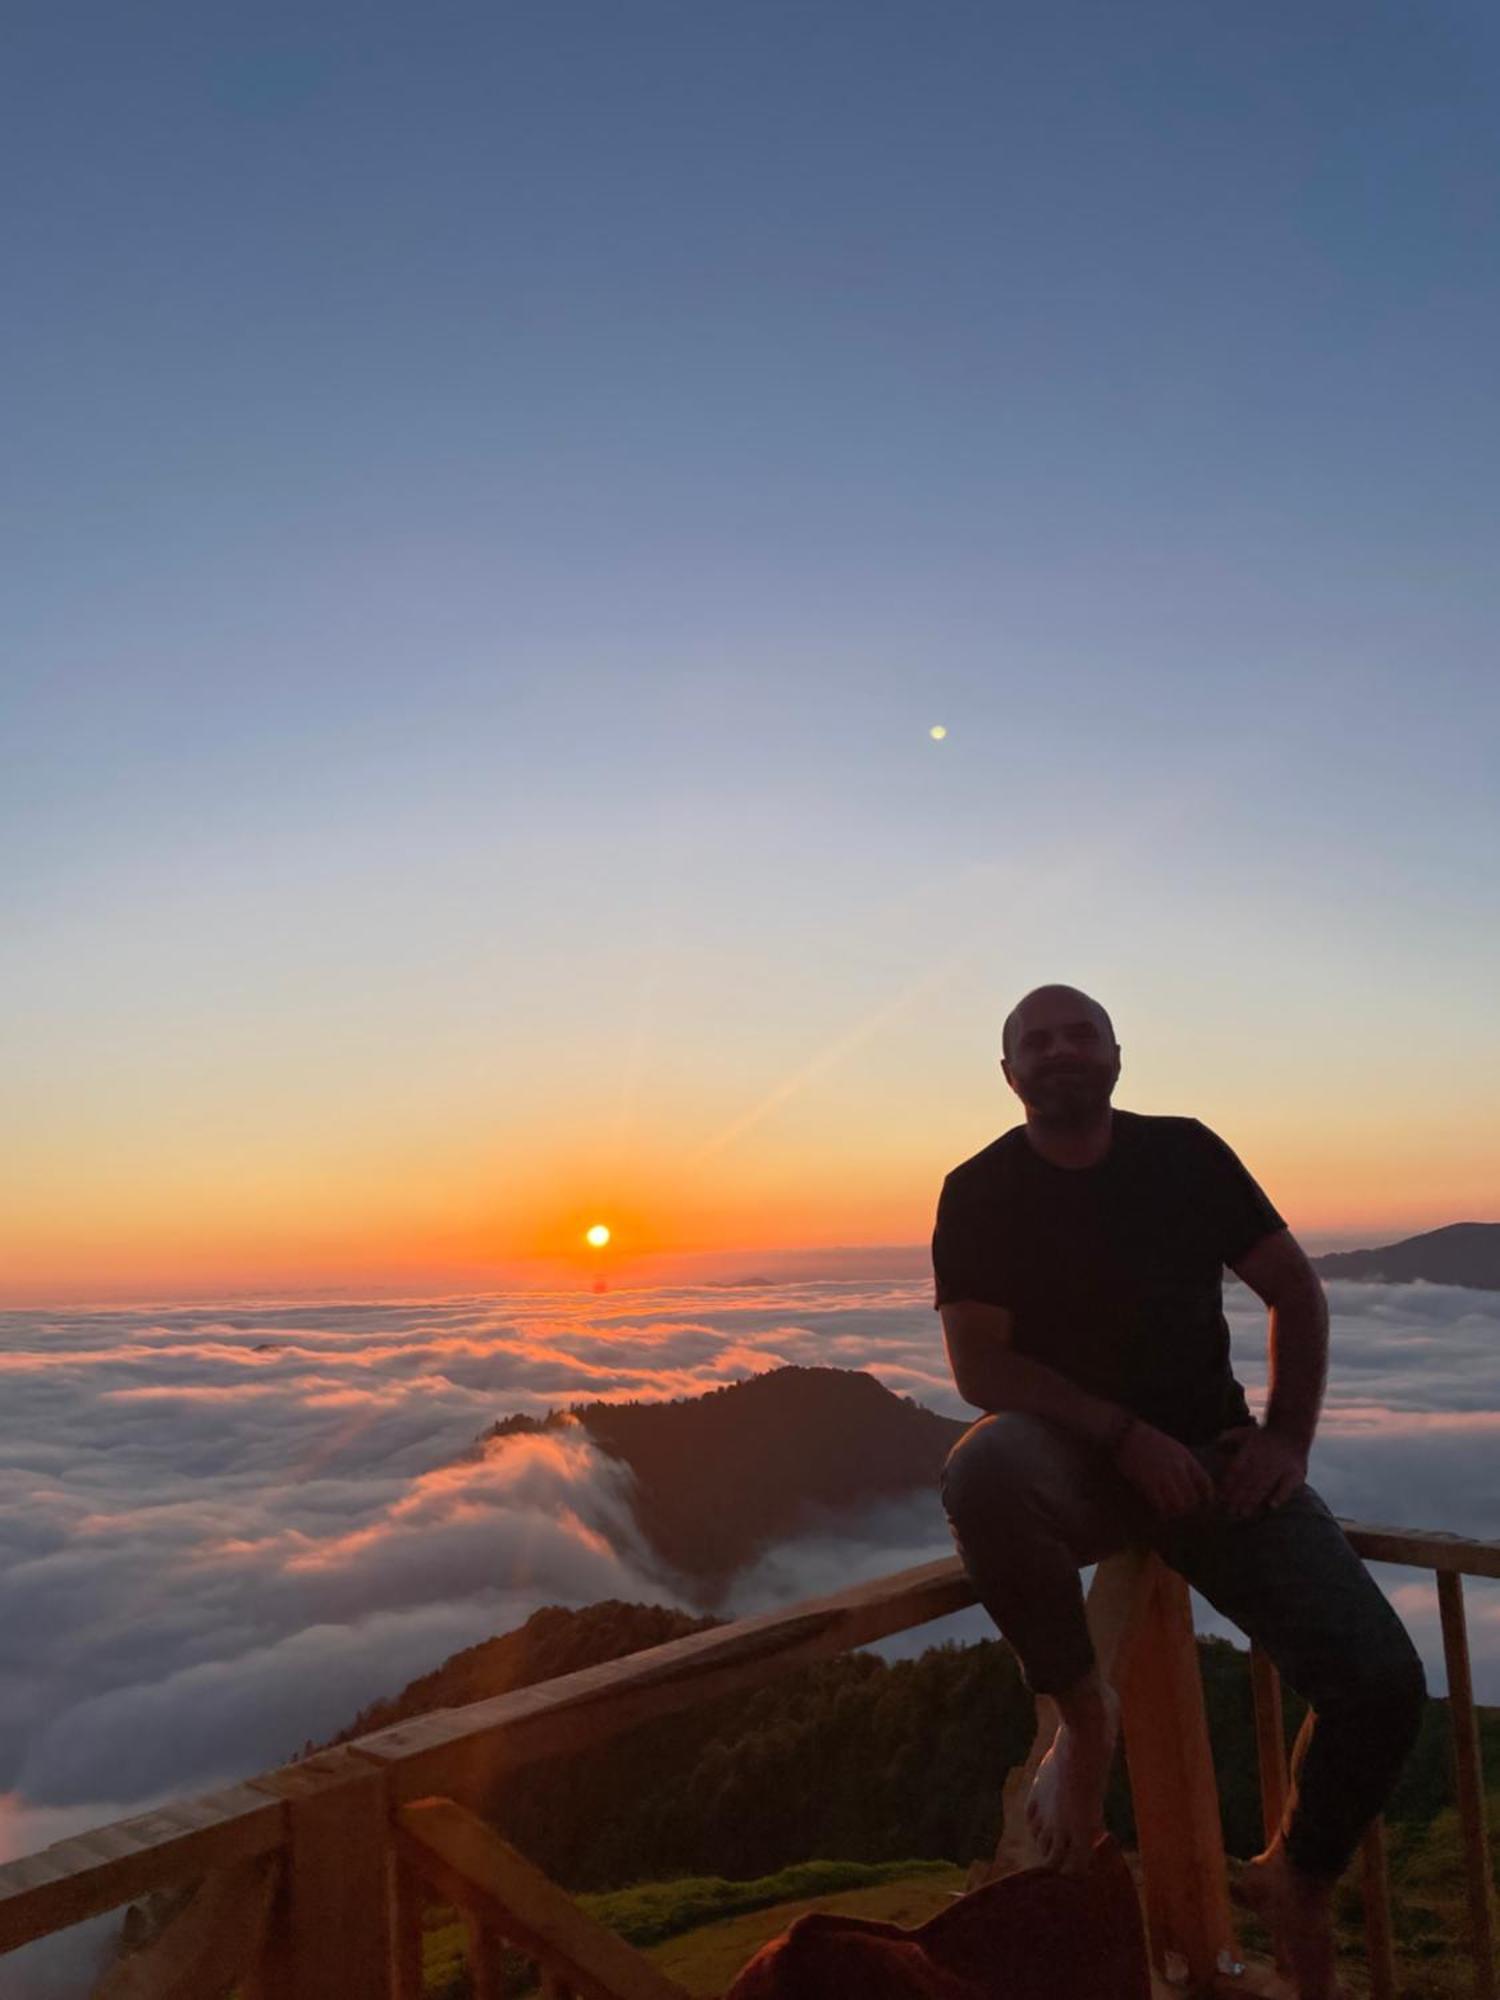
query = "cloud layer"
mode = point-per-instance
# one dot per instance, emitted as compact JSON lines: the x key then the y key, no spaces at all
{"x":225,"y":1530}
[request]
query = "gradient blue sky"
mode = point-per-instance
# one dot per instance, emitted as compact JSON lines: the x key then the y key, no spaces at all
{"x":496,"y":497}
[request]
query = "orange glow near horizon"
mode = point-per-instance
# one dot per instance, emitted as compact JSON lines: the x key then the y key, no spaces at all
{"x":782,"y":1185}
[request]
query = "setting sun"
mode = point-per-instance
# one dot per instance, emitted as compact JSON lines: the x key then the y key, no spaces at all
{"x":598,"y":1236}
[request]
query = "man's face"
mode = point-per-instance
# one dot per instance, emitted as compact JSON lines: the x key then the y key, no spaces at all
{"x":1063,"y":1062}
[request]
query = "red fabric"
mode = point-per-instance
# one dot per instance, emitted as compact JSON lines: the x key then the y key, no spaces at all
{"x":1032,"y":1936}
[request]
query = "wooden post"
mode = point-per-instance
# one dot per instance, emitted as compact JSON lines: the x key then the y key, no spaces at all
{"x":330,"y":1932}
{"x":499,"y":1890}
{"x":1469,"y":1782}
{"x":1379,"y":1945}
{"x":1270,"y":1742}
{"x":1173,"y":1786}
{"x":406,"y":1928}
{"x":486,"y":1950}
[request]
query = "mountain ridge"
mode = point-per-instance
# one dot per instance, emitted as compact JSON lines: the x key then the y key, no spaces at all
{"x":720,"y":1478}
{"x":1460,"y":1253}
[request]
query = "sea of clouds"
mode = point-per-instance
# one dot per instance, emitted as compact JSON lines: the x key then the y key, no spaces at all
{"x":227,"y":1528}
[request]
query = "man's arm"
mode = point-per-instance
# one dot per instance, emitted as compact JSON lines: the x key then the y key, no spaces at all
{"x":1277,"y":1271}
{"x":992,"y":1376}
{"x":1272,"y":1461}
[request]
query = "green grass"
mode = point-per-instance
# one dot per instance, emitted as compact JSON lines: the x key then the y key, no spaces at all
{"x":654,"y":1911}
{"x":702,"y":1929}
{"x":706,"y":1960}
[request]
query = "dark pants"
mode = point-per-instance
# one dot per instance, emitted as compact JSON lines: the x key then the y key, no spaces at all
{"x":1029,"y":1503}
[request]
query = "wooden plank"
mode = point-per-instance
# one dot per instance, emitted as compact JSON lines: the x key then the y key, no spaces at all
{"x":212,"y":1944}
{"x":469,"y":1864}
{"x":1118,"y":1600}
{"x":1469,"y":1783}
{"x":1172,"y":1783}
{"x":1379,"y":1933}
{"x":1424,"y":1548}
{"x":461,"y":1751}
{"x":330,"y":1931}
{"x":72,"y":1880}
{"x":1270,"y":1742}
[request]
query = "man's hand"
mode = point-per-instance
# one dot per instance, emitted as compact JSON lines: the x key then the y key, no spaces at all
{"x":1264,"y":1471}
{"x":1164,"y":1472}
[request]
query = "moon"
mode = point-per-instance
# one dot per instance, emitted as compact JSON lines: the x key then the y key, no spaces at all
{"x":937,"y":732}
{"x":598,"y":1236}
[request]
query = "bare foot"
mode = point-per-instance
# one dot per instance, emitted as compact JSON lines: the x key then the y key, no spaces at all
{"x":1298,"y":1910}
{"x":1065,"y":1811}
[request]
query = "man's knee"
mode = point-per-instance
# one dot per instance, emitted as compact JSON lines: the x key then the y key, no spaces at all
{"x":1000,"y":1461}
{"x":1395,"y":1683}
{"x":1385,"y":1685}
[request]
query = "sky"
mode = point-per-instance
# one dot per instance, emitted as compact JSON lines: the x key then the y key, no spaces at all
{"x":496,"y":502}
{"x":225,"y":1532}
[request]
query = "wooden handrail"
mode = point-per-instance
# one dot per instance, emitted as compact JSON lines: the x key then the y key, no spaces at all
{"x":93,"y":1872}
{"x":1424,"y":1548}
{"x":457,"y":1750}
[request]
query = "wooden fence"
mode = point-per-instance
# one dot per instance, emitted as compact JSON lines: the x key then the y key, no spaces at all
{"x":307,"y":1882}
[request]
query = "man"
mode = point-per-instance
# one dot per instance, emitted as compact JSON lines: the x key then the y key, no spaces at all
{"x":1079,"y":1263}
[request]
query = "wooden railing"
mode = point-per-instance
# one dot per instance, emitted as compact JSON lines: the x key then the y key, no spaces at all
{"x":307,"y":1882}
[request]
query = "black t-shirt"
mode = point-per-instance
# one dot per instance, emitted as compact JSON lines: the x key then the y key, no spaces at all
{"x":1114,"y":1273}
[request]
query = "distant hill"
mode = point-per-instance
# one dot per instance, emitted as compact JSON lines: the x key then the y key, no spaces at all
{"x":551,"y":1642}
{"x":848,"y":1757}
{"x":1465,"y":1253}
{"x":722,"y":1477}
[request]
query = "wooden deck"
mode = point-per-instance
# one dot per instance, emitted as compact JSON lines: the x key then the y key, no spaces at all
{"x":306,"y":1880}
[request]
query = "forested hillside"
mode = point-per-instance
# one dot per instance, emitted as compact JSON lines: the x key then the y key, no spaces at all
{"x":850,"y":1759}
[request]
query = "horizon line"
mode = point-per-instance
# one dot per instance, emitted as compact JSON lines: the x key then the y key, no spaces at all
{"x":356,"y":1291}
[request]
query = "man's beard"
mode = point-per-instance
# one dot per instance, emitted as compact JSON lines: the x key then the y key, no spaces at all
{"x":1068,"y":1102}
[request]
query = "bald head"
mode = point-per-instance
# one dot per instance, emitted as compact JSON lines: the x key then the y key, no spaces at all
{"x":1061,"y":1059}
{"x":1058,"y":1006}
